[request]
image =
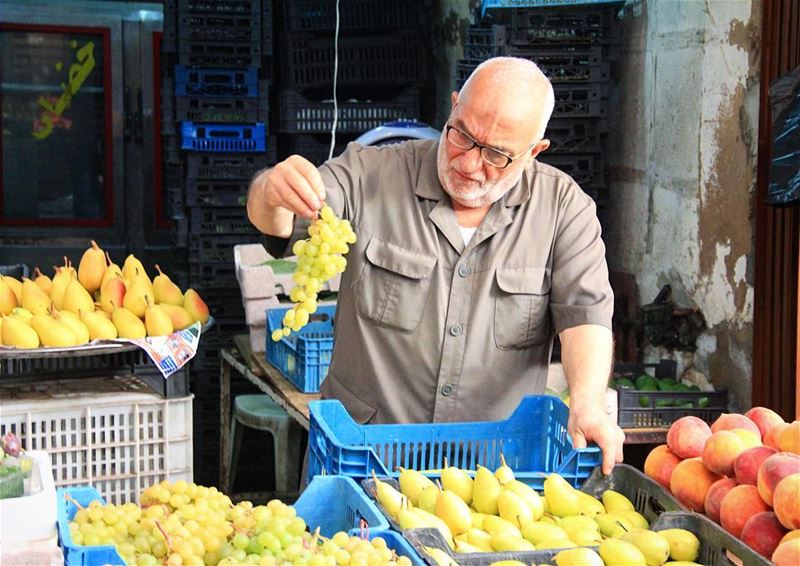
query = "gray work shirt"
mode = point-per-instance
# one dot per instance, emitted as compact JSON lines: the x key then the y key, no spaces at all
{"x":429,"y":329}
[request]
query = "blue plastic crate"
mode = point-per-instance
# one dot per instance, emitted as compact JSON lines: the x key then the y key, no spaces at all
{"x":191,"y":81}
{"x":337,"y":503}
{"x":303,"y":357}
{"x":488,"y":4}
{"x":533,"y":440}
{"x":78,"y":555}
{"x":221,"y":138}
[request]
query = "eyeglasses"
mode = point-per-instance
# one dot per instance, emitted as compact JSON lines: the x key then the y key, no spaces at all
{"x":490,"y":155}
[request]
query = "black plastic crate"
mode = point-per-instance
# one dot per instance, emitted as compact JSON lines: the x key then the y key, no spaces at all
{"x":485,"y":42}
{"x":371,"y":15}
{"x":298,"y":114}
{"x":393,"y":58}
{"x":579,"y":100}
{"x":233,"y":28}
{"x":192,"y":81}
{"x":576,"y":135}
{"x":222,"y":110}
{"x":236,"y":7}
{"x":585,"y":169}
{"x":582,"y":25}
{"x":315,"y":148}
{"x":217,"y":248}
{"x":210,"y":221}
{"x":203,"y":192}
{"x":579,"y":64}
{"x":210,"y":275}
{"x":175,"y":386}
{"x":235,"y":55}
{"x":644,"y":409}
{"x":226,"y":166}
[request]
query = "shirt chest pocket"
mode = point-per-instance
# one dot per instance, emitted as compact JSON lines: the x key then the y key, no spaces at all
{"x":522,"y":313}
{"x":394,"y":286}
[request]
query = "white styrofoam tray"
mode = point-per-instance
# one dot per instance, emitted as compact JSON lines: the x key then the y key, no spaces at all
{"x":31,"y":517}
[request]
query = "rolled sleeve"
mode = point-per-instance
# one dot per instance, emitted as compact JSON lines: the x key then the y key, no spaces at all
{"x":581,"y":293}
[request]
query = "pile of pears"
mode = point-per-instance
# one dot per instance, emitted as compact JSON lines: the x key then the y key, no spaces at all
{"x":98,"y":301}
{"x":494,"y":512}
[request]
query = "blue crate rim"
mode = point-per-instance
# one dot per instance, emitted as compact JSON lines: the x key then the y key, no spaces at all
{"x":502,"y":4}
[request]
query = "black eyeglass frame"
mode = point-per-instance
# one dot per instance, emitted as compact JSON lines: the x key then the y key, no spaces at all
{"x":509,"y":158}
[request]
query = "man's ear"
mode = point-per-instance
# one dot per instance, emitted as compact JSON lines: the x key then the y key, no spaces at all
{"x":540,"y":146}
{"x":453,"y":100}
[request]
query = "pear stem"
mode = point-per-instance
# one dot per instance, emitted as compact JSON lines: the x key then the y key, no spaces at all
{"x":159,"y":270}
{"x":108,"y":259}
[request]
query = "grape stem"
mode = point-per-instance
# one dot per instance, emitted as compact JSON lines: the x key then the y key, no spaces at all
{"x":166,"y":536}
{"x":364,"y":526}
{"x":72,"y":500}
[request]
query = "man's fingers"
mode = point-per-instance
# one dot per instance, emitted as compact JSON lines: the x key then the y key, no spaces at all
{"x":578,"y":440}
{"x":312,"y":176}
{"x":293,"y":202}
{"x":300,"y":185}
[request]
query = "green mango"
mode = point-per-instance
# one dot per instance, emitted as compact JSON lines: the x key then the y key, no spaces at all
{"x":666,"y":384}
{"x":646,"y":383}
{"x":703,"y":402}
{"x":624,"y":382}
{"x":660,"y":403}
{"x":682,"y":388}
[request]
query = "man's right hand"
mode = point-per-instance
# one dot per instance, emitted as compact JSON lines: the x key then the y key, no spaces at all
{"x":292,"y":187}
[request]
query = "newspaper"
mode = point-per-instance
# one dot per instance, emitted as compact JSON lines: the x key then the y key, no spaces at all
{"x":171,"y":353}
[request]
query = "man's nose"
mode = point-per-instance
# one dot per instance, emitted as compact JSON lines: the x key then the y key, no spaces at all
{"x":471,"y":160}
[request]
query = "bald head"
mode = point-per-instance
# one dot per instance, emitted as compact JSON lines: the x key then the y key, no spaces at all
{"x":517,"y":86}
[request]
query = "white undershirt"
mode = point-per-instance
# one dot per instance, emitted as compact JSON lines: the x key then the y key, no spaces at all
{"x":467,"y":233}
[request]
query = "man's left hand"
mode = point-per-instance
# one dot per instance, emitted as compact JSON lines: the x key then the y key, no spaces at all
{"x":591,"y":423}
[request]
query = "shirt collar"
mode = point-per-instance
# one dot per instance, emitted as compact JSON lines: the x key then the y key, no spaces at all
{"x":430,"y":187}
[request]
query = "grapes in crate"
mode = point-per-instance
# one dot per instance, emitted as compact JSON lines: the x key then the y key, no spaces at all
{"x":184,"y":523}
{"x":319,"y":258}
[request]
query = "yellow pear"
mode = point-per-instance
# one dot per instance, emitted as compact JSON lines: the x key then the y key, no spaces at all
{"x":133,"y":266}
{"x":411,"y":483}
{"x":616,"y":552}
{"x":92,"y":267}
{"x":637,"y":519}
{"x":23,"y":314}
{"x":16,"y":287}
{"x":612,"y":526}
{"x":8,"y":299}
{"x":485,"y":489}
{"x":112,"y":294}
{"x":33,"y":298}
{"x":683,"y":545}
{"x":15,"y":332}
{"x":157,"y":320}
{"x":439,"y":556}
{"x":479,"y":538}
{"x":112,"y":270}
{"x":493,"y":524}
{"x":128,"y":324}
{"x":138,"y":295}
{"x":76,"y":298}
{"x":179,"y":315}
{"x":615,"y":501}
{"x":53,"y":332}
{"x":654,"y":547}
{"x":532,"y":499}
{"x":60,"y":281}
{"x":513,"y":509}
{"x":165,"y":291}
{"x":455,"y":480}
{"x":538,"y":531}
{"x":100,"y":327}
{"x":428,"y":497}
{"x":578,"y":557}
{"x":562,"y":500}
{"x":436,"y":523}
{"x":590,"y":505}
{"x":407,"y":519}
{"x":195,"y":306}
{"x":504,"y":473}
{"x":506,"y":541}
{"x":553,"y":543}
{"x":391,"y":499}
{"x":451,"y":509}
{"x":76,"y":325}
{"x":43,"y":281}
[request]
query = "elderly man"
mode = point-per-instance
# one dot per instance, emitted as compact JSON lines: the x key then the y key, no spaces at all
{"x":470,"y":256}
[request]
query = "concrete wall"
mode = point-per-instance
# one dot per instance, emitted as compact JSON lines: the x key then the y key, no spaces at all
{"x":682,"y":171}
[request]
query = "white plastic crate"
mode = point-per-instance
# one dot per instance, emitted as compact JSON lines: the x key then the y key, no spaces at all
{"x":106,"y":432}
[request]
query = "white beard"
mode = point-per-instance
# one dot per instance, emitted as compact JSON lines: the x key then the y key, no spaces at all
{"x":473,"y":193}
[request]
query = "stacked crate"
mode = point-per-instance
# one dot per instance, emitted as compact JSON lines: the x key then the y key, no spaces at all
{"x":216,"y":79}
{"x":574,"y":46}
{"x":381,"y":66}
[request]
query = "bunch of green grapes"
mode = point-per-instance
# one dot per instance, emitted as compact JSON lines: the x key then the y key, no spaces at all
{"x":183,"y":523}
{"x":319,"y":258}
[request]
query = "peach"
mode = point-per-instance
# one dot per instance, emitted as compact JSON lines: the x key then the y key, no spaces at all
{"x":773,"y":470}
{"x":716,"y":493}
{"x":786,"y":501}
{"x":687,"y":436}
{"x":748,"y":437}
{"x":748,"y":462}
{"x":791,"y":535}
{"x":659,"y":464}
{"x":789,"y":440}
{"x":690,"y":483}
{"x":741,"y":503}
{"x":774,"y":434}
{"x":730,"y":421}
{"x":721,"y":451}
{"x":763,"y":533}
{"x":787,"y":553}
{"x":764,"y":418}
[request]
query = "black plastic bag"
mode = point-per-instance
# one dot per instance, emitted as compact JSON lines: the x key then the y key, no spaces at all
{"x":784,"y":172}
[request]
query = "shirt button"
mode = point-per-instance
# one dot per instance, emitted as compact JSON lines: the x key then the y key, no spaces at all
{"x":447,"y":389}
{"x":464,"y":270}
{"x":456,"y":329}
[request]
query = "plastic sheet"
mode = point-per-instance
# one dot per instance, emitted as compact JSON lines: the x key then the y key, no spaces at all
{"x":784,"y":173}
